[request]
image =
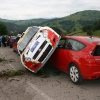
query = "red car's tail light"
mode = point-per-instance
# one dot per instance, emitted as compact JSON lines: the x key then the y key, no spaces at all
{"x":89,"y":55}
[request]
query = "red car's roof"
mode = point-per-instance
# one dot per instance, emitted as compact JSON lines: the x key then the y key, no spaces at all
{"x":94,"y":40}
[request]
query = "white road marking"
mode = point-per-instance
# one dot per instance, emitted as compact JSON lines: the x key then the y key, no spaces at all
{"x":39,"y":91}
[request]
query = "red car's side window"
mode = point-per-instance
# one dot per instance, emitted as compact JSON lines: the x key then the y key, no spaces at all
{"x":71,"y":44}
{"x":64,"y":44}
{"x":76,"y":45}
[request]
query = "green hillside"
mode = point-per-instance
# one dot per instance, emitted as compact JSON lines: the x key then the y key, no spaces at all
{"x":23,"y":22}
{"x":96,"y":33}
{"x":68,"y":24}
{"x":35,"y":21}
{"x":76,"y":21}
{"x":17,"y":26}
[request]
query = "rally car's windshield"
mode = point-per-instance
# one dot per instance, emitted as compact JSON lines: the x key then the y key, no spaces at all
{"x":26,"y":39}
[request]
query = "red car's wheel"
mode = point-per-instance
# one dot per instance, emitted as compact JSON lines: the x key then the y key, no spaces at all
{"x":74,"y":74}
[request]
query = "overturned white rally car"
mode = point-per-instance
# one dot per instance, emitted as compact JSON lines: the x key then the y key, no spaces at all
{"x":36,"y":45}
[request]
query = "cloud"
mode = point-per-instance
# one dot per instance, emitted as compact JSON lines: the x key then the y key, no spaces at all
{"x":29,"y":9}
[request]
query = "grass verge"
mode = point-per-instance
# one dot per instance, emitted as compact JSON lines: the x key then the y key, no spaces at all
{"x":12,"y":73}
{"x":2,"y":59}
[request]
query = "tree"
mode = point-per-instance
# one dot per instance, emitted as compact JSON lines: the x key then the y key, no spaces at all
{"x":90,"y":33}
{"x":87,"y":28}
{"x":96,"y":25}
{"x":3,"y":29}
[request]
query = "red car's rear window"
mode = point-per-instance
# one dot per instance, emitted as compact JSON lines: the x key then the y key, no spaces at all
{"x":97,"y":51}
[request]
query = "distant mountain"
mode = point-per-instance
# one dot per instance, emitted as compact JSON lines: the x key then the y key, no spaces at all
{"x":21,"y":25}
{"x":74,"y":21}
{"x":23,"y":22}
{"x":67,"y":24}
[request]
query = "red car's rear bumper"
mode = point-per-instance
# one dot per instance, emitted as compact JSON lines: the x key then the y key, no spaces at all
{"x":91,"y":71}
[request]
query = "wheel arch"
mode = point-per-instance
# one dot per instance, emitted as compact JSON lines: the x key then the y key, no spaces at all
{"x":76,"y":65}
{"x":80,"y":80}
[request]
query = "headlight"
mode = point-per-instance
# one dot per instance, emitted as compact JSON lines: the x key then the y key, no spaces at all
{"x":45,"y":34}
{"x":27,"y":59}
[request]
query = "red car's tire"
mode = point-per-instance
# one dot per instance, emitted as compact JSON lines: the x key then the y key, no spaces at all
{"x":75,"y":74}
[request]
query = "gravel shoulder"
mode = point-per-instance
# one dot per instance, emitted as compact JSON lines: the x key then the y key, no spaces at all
{"x":29,"y":86}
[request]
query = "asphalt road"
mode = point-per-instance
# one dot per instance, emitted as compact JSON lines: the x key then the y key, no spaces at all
{"x":31,"y":86}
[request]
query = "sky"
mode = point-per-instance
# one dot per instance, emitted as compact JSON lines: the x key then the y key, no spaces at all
{"x":30,"y":9}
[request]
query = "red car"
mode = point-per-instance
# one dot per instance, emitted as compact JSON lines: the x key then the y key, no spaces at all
{"x":15,"y":44}
{"x":78,"y":56}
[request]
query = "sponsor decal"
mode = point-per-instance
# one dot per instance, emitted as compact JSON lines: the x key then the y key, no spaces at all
{"x":34,"y":46}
